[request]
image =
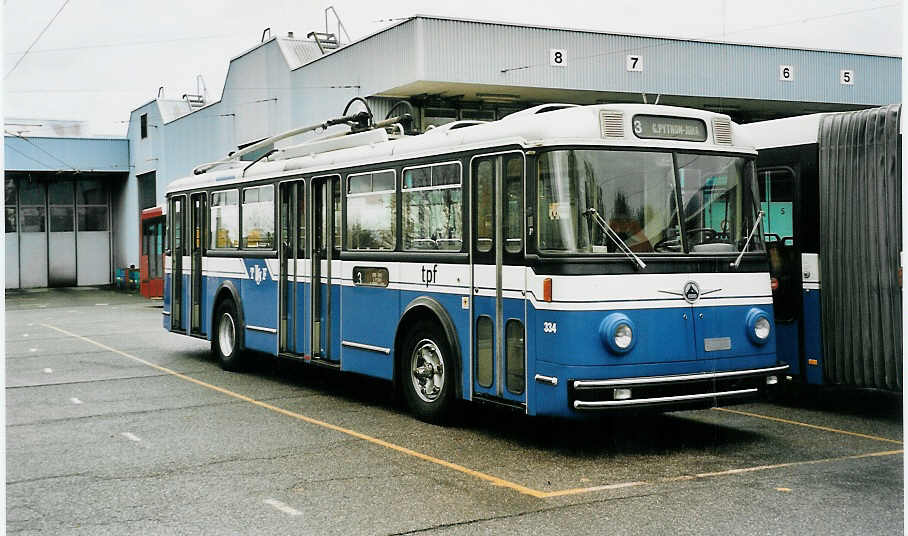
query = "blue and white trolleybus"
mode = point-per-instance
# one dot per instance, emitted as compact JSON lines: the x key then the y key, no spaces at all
{"x":564,"y":260}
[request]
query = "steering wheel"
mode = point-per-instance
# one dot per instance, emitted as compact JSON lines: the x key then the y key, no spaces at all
{"x":709,"y":234}
{"x":668,"y":244}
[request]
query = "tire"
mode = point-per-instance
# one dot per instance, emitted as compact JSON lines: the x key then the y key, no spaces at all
{"x":428,"y":373}
{"x":226,"y":339}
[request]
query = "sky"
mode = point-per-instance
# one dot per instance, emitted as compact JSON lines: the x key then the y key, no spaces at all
{"x":100,"y":59}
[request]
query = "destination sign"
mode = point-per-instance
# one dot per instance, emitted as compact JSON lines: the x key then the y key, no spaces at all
{"x":669,"y":128}
{"x":370,"y":277}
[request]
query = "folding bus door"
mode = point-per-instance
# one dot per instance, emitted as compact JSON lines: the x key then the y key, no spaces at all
{"x":499,"y":278}
{"x":293,"y":293}
{"x":177,"y":240}
{"x":197,"y":230}
{"x":325,"y":266}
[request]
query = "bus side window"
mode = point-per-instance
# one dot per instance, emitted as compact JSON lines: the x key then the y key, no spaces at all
{"x":776,"y":196}
{"x":513,"y":204}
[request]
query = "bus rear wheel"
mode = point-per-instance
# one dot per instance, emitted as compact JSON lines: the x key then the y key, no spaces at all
{"x":226,"y":341}
{"x":427,"y":374}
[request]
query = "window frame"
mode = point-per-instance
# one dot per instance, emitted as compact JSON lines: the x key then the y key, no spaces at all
{"x":274,"y":221}
{"x":346,"y":196}
{"x":208,"y":244}
{"x":531,"y":190}
{"x":459,"y":184}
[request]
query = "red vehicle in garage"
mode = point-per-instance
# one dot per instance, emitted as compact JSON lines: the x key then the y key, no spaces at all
{"x":151,"y":264}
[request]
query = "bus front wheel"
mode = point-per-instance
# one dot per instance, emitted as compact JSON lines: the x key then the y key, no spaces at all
{"x":225,"y":341}
{"x":428,"y":373}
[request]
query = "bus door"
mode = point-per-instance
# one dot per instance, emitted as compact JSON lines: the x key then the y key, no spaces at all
{"x":293,"y":295}
{"x":777,"y":187}
{"x":177,"y":218}
{"x":197,"y":231}
{"x":498,"y":278}
{"x":325,"y":267}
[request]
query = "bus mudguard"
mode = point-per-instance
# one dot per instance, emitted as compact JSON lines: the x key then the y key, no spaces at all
{"x":447,"y":325}
{"x":228,"y":288}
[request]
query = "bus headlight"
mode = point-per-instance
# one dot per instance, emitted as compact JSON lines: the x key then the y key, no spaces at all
{"x":624,"y":336}
{"x":617,"y":333}
{"x":759,"y":327}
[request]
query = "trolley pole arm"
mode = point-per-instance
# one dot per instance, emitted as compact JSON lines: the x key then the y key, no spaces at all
{"x":357,"y":118}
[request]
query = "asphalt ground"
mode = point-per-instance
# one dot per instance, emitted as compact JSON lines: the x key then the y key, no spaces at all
{"x":115,"y":426}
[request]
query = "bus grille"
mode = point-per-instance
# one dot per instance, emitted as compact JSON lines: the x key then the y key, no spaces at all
{"x":722,"y":131}
{"x":611,"y":124}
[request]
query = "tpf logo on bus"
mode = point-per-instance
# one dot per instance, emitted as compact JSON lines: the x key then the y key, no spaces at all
{"x":258,"y":273}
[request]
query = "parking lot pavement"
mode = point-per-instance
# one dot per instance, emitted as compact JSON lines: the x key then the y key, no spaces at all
{"x":116,"y":427}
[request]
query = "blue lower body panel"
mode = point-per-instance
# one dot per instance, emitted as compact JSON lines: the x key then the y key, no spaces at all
{"x":788,"y":346}
{"x":813,"y":341}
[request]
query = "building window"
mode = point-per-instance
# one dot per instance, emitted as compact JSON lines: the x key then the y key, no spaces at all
{"x":147,"y":190}
{"x":62,"y":211}
{"x":32,"y":207}
{"x":225,"y":222}
{"x":258,"y":217}
{"x":91,"y":206}
{"x":371,"y":210}
{"x":143,"y":122}
{"x":11,"y":216}
{"x":432,"y":201}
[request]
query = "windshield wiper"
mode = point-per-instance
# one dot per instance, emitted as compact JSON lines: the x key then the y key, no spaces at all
{"x":609,"y":232}
{"x":747,"y":243}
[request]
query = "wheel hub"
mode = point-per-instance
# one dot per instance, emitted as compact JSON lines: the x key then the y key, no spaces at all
{"x":427,"y":370}
{"x":226,"y":335}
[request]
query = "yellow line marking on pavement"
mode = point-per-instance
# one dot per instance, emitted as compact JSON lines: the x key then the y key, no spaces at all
{"x":781,"y":466}
{"x":483,"y":476}
{"x":577,"y":491}
{"x":684,"y":478}
{"x":807,"y":425}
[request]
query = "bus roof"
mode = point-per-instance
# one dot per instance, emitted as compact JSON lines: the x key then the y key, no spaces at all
{"x":545,"y":125}
{"x":801,"y":130}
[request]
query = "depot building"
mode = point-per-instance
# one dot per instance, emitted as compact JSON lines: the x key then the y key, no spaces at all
{"x":73,"y":203}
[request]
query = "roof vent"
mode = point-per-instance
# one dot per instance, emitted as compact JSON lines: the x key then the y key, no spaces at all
{"x":453,"y":125}
{"x":540,"y":109}
{"x":611,"y":124}
{"x":721,"y":131}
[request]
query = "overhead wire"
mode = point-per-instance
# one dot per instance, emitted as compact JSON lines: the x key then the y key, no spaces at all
{"x":48,"y":153}
{"x":128,"y":43}
{"x":52,"y":19}
{"x":35,"y":160}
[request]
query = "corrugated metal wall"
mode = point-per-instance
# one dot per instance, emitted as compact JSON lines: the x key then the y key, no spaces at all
{"x":477,"y":52}
{"x":322,"y":88}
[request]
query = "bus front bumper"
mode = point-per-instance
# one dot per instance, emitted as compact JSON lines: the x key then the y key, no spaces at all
{"x":678,"y":391}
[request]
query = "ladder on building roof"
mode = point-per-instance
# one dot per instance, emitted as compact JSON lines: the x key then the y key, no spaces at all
{"x":327,"y":40}
{"x":199,"y":98}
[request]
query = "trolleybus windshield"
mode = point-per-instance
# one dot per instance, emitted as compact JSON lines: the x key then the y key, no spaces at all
{"x":637,"y":195}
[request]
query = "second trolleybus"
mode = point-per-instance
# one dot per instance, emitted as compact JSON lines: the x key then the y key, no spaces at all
{"x":564,"y":260}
